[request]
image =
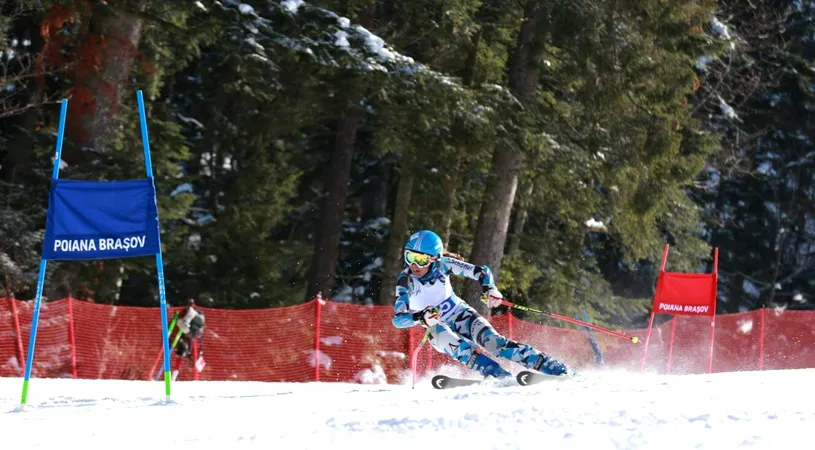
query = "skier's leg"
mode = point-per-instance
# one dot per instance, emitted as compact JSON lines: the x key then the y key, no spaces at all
{"x":471,"y":325}
{"x":176,"y":366}
{"x":445,"y":341}
{"x":182,"y":348}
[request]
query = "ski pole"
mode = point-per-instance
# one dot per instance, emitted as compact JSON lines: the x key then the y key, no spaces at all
{"x":633,"y":339}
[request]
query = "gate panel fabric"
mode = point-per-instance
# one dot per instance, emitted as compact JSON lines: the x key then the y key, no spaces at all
{"x":101,"y":220}
{"x":685,"y":294}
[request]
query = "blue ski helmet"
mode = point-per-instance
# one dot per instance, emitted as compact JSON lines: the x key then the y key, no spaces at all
{"x":425,"y":241}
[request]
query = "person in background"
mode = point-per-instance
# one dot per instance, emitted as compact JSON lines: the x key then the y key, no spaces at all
{"x":191,"y":322}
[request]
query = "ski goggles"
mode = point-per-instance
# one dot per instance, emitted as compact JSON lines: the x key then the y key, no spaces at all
{"x":420,"y":259}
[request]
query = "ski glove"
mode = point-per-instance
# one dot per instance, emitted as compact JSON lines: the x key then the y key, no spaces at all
{"x":428,"y":316}
{"x":492,"y":296}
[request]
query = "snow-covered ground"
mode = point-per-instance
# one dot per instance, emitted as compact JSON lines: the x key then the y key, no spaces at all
{"x":610,"y":410}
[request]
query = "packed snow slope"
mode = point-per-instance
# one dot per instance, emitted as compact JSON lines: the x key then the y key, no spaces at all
{"x":601,"y":410}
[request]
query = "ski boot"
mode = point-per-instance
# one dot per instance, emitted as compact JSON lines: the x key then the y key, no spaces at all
{"x":487,"y":366}
{"x":550,"y":366}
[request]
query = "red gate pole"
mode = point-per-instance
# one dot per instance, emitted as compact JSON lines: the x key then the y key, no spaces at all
{"x":16,"y":320}
{"x":651,"y":321}
{"x":671,"y":344}
{"x":318,"y":302}
{"x":647,"y":340}
{"x":410,"y":349}
{"x":414,"y":357}
{"x":71,"y":335}
{"x":761,"y":342}
{"x":713,"y":302}
{"x":712,"y":333}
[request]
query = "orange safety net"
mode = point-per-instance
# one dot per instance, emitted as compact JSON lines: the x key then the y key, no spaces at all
{"x":52,"y":354}
{"x":322,"y":340}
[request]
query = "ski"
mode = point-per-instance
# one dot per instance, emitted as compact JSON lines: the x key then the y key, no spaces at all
{"x":527,"y":378}
{"x":446,"y":382}
{"x":524,"y":378}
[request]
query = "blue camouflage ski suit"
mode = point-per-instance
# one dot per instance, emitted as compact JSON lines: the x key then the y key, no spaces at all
{"x":461,"y":330}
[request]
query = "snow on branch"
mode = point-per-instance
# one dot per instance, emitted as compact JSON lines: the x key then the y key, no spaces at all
{"x":333,"y":41}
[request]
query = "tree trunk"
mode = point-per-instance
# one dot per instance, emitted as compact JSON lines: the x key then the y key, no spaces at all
{"x":105,"y":60}
{"x":520,"y":219}
{"x":449,"y":186}
{"x":453,"y":176}
{"x":499,"y":196}
{"x":399,"y":232}
{"x":327,"y":242}
{"x":375,"y":196}
{"x":493,"y":220}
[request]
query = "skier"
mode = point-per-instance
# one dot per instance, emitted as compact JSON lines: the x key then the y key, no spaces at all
{"x":191,"y":323}
{"x":424,"y":295}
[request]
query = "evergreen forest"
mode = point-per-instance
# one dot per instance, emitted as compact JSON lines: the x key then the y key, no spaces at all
{"x":297,"y":144}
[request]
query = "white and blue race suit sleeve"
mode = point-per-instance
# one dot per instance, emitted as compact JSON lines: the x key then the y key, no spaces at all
{"x":433,"y":289}
{"x":464,"y":269}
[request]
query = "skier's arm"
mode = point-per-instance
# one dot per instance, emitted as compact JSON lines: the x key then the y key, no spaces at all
{"x":403,"y":317}
{"x":482,"y":274}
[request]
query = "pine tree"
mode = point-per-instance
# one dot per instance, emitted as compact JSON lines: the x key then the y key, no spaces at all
{"x":757,"y":193}
{"x":611,"y":151}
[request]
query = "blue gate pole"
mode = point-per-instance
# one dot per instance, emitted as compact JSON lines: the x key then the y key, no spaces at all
{"x":32,"y":339}
{"x":159,"y":260}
